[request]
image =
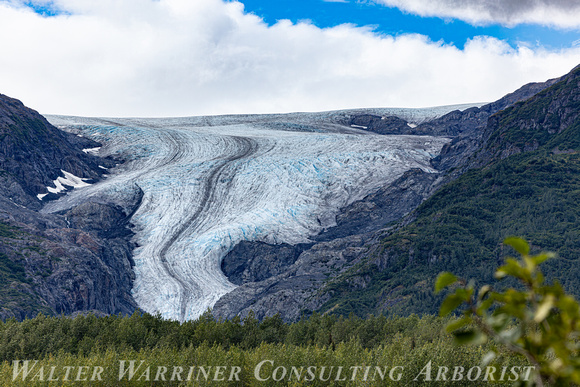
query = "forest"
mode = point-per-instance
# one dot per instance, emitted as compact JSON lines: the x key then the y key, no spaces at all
{"x":525,"y":181}
{"x":374,"y":346}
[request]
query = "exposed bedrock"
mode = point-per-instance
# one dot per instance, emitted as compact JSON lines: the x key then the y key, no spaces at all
{"x":298,"y":289}
{"x":208,"y":188}
{"x":78,"y":260}
{"x":256,"y":261}
{"x":57,"y":263}
{"x":33,"y":153}
{"x":294,"y":291}
{"x":293,"y":288}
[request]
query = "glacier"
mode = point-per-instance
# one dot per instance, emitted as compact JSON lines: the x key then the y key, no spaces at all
{"x":210,"y":182}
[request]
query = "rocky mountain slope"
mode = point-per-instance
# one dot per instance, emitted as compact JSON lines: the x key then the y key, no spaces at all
{"x":33,"y":154}
{"x":523,"y":180}
{"x":348,"y":211}
{"x":210,"y":184}
{"x":311,"y":280}
{"x":59,"y":263}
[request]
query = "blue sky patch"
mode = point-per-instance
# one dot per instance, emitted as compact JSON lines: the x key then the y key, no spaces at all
{"x":392,"y":21}
{"x":46,"y":10}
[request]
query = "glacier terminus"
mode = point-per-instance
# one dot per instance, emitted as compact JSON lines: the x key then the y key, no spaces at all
{"x":208,"y":183}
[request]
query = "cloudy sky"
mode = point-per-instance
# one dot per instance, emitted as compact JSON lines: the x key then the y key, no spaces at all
{"x":202,"y":57}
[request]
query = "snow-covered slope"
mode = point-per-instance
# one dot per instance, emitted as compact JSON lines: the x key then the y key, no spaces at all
{"x":210,"y":182}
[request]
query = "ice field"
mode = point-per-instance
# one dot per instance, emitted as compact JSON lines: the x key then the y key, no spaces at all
{"x":210,"y":182}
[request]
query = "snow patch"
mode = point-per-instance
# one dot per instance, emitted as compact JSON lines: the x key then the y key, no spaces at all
{"x":359,"y":126}
{"x":69,"y":180}
{"x":41,"y":196}
{"x":92,"y":151}
{"x":411,"y":125}
{"x":209,"y":184}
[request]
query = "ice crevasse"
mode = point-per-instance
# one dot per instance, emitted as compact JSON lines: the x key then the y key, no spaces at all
{"x":208,"y":187}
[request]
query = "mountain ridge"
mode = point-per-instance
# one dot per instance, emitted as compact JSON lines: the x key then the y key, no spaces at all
{"x":370,"y":216}
{"x":519,"y":183}
{"x":80,"y":257}
{"x":57,"y":263}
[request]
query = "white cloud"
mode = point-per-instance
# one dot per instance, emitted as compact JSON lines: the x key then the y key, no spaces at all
{"x":182,"y":57}
{"x":553,"y":13}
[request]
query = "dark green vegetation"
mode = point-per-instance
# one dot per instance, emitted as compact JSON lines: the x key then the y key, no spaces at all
{"x":16,"y":246}
{"x":12,"y":276}
{"x":320,"y":341}
{"x":524,"y":181}
{"x":44,"y":335}
{"x":540,"y":322}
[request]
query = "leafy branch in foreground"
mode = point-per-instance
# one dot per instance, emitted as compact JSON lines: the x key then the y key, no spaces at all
{"x":540,"y":322}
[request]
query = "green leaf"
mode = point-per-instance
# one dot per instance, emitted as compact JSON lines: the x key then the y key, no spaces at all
{"x":542,"y":257}
{"x":460,"y":323}
{"x":568,"y":304}
{"x":513,"y":268}
{"x":470,"y":337}
{"x":519,"y":245}
{"x":464,"y":294}
{"x":511,"y":335}
{"x":443,"y":280}
{"x":530,"y":263}
{"x":484,"y":305}
{"x":450,"y":304}
{"x":498,"y":321}
{"x":544,"y":308}
{"x":485,"y":289}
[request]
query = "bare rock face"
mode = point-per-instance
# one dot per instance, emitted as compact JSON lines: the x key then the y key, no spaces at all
{"x":56,"y":263}
{"x":381,"y":125}
{"x":294,"y":289}
{"x":34,"y":153}
{"x":383,"y":207}
{"x":63,"y":269}
{"x":254,"y":262}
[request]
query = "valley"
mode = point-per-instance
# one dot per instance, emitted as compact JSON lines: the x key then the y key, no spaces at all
{"x":349,"y":211}
{"x":207,"y":188}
